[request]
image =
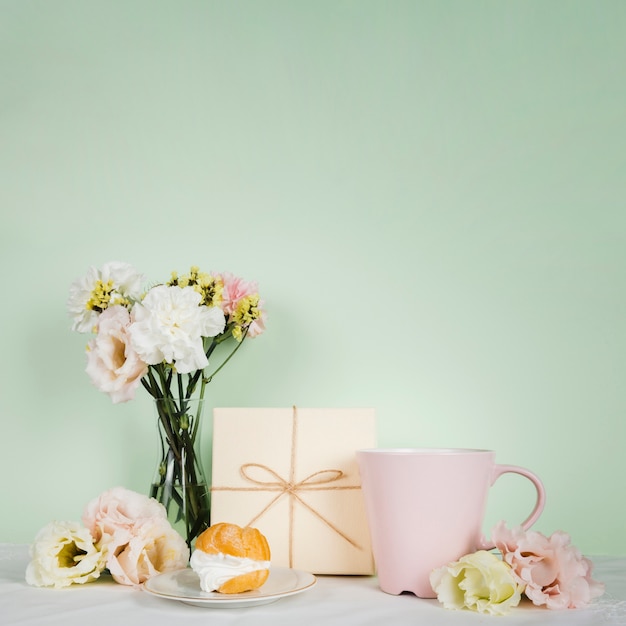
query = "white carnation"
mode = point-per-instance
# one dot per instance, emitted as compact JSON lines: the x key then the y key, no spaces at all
{"x":169,"y":326}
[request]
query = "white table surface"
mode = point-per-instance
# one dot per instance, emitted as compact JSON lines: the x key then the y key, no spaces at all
{"x":345,"y":600}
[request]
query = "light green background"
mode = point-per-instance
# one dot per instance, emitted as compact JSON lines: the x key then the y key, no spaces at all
{"x":431,"y":196}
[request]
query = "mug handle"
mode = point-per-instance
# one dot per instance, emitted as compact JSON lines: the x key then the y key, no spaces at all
{"x":539,"y":503}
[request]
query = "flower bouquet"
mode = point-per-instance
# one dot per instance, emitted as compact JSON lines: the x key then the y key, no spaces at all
{"x":162,"y":338}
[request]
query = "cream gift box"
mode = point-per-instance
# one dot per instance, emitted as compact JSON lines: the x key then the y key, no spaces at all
{"x":292,"y":473}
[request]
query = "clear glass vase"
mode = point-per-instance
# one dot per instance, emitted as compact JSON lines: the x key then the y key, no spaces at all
{"x":179,"y":482}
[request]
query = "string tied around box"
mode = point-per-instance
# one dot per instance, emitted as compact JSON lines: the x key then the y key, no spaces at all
{"x":264,"y":478}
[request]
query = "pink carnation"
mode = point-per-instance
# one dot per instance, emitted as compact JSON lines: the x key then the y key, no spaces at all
{"x":235,"y":288}
{"x":555,"y":573}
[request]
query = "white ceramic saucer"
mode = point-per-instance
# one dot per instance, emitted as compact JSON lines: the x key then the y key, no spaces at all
{"x":184,"y":586}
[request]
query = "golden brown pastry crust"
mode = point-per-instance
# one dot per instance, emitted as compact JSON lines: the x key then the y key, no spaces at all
{"x":236,"y":541}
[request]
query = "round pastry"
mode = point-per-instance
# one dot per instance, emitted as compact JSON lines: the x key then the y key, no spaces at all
{"x":231,"y":559}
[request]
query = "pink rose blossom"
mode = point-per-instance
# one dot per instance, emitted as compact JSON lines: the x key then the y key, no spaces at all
{"x":112,"y":364}
{"x":134,"y":531}
{"x":235,"y":288}
{"x":554,"y":572}
{"x":153,"y":548}
{"x":117,"y":512}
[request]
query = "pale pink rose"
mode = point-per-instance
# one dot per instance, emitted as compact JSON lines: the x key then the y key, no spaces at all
{"x":112,"y":364}
{"x":154,"y":547}
{"x":555,"y":573}
{"x":235,"y":288}
{"x":117,"y":512}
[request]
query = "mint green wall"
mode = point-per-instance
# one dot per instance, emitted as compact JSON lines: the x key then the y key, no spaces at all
{"x":430,"y":194}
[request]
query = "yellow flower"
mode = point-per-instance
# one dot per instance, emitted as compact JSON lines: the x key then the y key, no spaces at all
{"x":208,"y":286}
{"x":100,"y":296}
{"x":247,"y":310}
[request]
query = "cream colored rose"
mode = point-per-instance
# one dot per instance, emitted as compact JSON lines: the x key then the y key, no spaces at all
{"x":64,"y":553}
{"x":480,"y":582}
{"x":154,"y":547}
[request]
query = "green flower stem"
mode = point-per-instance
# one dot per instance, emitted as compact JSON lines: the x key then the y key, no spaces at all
{"x":165,"y":412}
{"x":193,"y":380}
{"x":178,"y":435}
{"x":178,"y":479}
{"x":209,"y":378}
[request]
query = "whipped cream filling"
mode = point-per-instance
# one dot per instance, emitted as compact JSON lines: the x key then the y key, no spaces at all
{"x":216,"y":569}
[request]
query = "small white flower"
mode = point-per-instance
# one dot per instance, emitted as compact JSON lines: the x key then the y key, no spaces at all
{"x":114,"y":283}
{"x":169,"y":325}
{"x":480,"y":582}
{"x":64,"y":553}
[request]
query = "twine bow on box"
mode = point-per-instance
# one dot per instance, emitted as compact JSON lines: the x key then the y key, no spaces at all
{"x":269,"y":480}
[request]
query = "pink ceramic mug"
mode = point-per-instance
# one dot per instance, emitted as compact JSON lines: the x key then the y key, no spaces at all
{"x":425,"y":508}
